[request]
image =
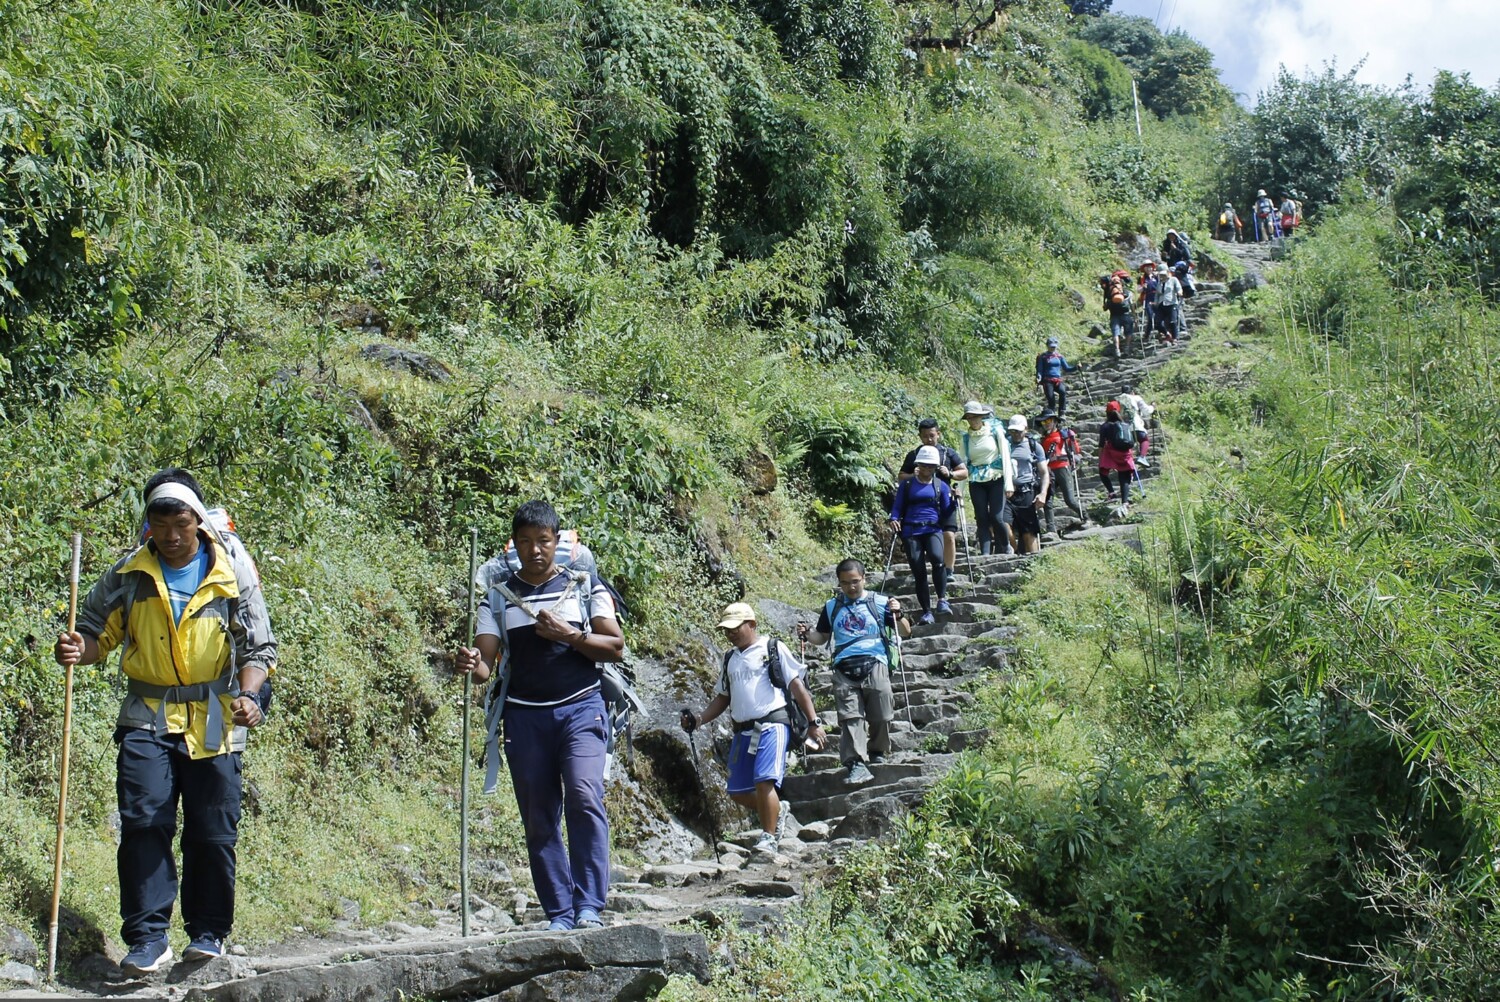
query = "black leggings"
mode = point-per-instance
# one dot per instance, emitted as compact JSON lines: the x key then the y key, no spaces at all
{"x":1057,"y":396}
{"x":921,"y":551}
{"x":1125,"y":476}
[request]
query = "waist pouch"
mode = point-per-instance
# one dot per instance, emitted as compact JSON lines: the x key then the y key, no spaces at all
{"x":779,"y":716}
{"x":857,"y":669}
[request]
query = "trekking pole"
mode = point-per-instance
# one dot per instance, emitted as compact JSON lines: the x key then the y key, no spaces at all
{"x":889,"y":556}
{"x":703,"y":788}
{"x":963,"y":531}
{"x":62,"y":784}
{"x":901,"y":667}
{"x":463,"y":772}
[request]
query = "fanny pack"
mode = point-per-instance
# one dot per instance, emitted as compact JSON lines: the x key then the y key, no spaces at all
{"x":777,"y":716}
{"x":857,"y":669}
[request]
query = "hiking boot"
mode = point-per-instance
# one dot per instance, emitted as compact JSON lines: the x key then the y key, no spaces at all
{"x":943,"y":608}
{"x":588,"y":919}
{"x":766,"y":845}
{"x":926,"y":619}
{"x":859,"y":775}
{"x":203,"y":948}
{"x":147,"y":958}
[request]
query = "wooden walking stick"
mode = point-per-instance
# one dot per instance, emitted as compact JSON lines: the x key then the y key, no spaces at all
{"x":62,"y":784}
{"x":463,"y":772}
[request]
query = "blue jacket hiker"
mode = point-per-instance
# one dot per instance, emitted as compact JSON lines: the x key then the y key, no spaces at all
{"x":1050,"y":366}
{"x":187,"y":612}
{"x":861,"y":625}
{"x":533,"y":629}
{"x":922,"y":504}
{"x":758,"y":678}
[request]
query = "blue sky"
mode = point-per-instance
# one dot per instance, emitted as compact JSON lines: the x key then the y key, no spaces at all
{"x":1418,"y":37}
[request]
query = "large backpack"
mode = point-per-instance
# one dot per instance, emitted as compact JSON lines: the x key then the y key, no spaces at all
{"x":1120,"y":435}
{"x":1116,"y":291}
{"x":797,"y":721}
{"x":571,"y":554}
{"x":616,"y":681}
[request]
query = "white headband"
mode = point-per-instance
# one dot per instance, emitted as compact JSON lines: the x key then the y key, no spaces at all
{"x":177,"y":492}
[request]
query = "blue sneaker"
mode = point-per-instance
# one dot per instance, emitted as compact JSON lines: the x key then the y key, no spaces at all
{"x":559,"y":925}
{"x":589,"y":919}
{"x":147,"y":958}
{"x":203,"y":948}
{"x":943,"y":608}
{"x":926,"y":619}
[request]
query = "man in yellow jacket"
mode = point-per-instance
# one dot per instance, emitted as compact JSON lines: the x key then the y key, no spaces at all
{"x":186,"y":609}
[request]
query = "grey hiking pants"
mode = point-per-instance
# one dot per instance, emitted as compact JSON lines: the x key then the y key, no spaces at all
{"x":865,"y":710}
{"x":1063,"y":481}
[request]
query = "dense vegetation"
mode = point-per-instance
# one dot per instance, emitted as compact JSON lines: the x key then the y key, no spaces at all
{"x":650,"y":249}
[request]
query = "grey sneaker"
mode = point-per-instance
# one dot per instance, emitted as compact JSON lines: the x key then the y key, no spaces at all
{"x":859,"y":775}
{"x":781,"y":822}
{"x":766,"y":844}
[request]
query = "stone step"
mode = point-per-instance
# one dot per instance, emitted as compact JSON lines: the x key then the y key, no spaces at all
{"x":840,"y":804}
{"x":800,"y":789}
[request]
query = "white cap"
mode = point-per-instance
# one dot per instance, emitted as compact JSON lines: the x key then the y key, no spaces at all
{"x":928,"y":456}
{"x":1017,"y":422}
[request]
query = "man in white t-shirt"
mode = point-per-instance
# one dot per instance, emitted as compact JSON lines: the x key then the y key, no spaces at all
{"x":1138,"y":413}
{"x":762,"y":728}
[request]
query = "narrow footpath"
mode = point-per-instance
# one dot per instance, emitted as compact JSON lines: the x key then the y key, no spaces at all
{"x":649,"y":936}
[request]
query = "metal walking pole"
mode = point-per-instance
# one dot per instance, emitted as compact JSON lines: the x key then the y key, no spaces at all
{"x":62,"y":784}
{"x":963,"y":531}
{"x":889,"y":556}
{"x":901,"y":667}
{"x":463,"y":772}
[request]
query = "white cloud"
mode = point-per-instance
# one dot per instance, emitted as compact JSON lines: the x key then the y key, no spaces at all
{"x":1416,"y":37}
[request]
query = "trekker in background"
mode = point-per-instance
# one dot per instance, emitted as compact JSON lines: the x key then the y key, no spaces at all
{"x":1116,"y":452}
{"x":951,"y":470}
{"x":1031,"y":483}
{"x":921,"y":505}
{"x":753,"y":686}
{"x":1291,"y":215}
{"x":188,"y":613}
{"x":1133,"y":408}
{"x":1116,"y":289}
{"x":530,"y":626}
{"x":1266,"y":224}
{"x":984,"y":451}
{"x":1230,"y":229}
{"x":1175,"y":249}
{"x":1060,"y":446}
{"x":1150,"y":283}
{"x":1168,"y":307}
{"x":860,"y":625}
{"x":1050,"y":367}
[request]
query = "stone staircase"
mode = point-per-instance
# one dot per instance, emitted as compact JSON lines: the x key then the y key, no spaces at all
{"x":507,"y":959}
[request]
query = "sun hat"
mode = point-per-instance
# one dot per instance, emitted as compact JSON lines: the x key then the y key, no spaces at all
{"x":1052,"y":342}
{"x":735,"y":614}
{"x":975,"y":407}
{"x":927,"y":455}
{"x":1047,"y":415}
{"x":1017,"y":422}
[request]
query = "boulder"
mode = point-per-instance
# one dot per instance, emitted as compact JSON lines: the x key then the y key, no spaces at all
{"x":1245,"y":283}
{"x":608,"y":984}
{"x":759,"y":471}
{"x":874,"y":818}
{"x":404,"y":359}
{"x":21,"y":974}
{"x":462,"y":970}
{"x":1251,"y":325}
{"x":17,"y":944}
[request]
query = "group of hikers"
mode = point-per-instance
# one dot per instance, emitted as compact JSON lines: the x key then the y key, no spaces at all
{"x":185,"y":607}
{"x":1269,"y":219}
{"x":1161,"y":290}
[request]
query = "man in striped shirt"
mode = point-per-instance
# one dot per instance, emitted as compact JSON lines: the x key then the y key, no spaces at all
{"x":531,"y":625}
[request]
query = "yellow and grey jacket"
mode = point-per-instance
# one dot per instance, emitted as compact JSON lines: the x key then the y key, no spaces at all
{"x":181,"y":678}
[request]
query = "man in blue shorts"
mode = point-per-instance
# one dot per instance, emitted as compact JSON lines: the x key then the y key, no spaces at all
{"x":748,"y":689}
